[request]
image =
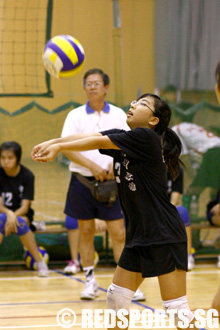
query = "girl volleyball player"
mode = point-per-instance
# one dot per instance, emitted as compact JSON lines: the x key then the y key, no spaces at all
{"x":156,"y":242}
{"x":16,"y":194}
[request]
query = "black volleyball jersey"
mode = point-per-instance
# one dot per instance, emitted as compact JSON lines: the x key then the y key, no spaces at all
{"x":13,"y":189}
{"x":141,"y":176}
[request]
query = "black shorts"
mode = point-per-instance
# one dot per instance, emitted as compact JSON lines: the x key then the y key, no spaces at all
{"x":154,"y":260}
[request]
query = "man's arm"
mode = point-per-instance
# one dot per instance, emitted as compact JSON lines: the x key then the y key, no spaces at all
{"x":98,"y":172}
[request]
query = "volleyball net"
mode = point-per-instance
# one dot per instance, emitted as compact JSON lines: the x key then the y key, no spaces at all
{"x":25,"y":27}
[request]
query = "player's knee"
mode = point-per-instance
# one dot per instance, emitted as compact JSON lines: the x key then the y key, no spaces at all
{"x":23,"y":227}
{"x":71,"y":223}
{"x":184,"y":214}
{"x":3,"y":219}
{"x":119,"y":297}
{"x":177,"y":305}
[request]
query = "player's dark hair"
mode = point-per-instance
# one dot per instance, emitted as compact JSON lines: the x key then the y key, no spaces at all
{"x":105,"y":77}
{"x":171,"y":144}
{"x":13,"y":146}
{"x":217,"y":74}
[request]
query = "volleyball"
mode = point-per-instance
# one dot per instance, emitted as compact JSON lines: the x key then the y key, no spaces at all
{"x":30,"y":261}
{"x":63,"y":56}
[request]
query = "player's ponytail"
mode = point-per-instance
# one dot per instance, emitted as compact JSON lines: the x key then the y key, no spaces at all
{"x":171,"y":144}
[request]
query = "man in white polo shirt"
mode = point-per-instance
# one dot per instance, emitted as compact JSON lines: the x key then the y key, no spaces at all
{"x":95,"y":116}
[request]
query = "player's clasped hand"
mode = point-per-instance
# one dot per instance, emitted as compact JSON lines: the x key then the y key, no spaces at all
{"x":44,"y":152}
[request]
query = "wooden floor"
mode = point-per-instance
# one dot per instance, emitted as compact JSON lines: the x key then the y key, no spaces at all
{"x":29,"y":302}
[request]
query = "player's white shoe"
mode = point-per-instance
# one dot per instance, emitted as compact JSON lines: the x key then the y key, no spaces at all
{"x":90,"y":291}
{"x":73,"y":267}
{"x":42,"y":269}
{"x":139,"y":296}
{"x":191,"y":262}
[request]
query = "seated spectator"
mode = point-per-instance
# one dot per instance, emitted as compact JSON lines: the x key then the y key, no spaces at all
{"x":16,"y":194}
{"x":203,"y":148}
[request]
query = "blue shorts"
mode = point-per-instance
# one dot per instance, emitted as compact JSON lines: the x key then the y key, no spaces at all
{"x":81,"y":204}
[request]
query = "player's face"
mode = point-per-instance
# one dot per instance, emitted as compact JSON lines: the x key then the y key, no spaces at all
{"x":94,"y":88}
{"x":8,"y":161}
{"x":141,"y":113}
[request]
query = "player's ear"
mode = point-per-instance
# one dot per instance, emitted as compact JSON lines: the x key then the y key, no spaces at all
{"x":217,"y":92}
{"x":154,"y":121}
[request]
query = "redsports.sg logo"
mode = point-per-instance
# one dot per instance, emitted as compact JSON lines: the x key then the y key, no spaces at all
{"x":145,"y":319}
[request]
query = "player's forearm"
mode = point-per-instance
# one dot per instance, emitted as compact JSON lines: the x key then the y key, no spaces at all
{"x":88,"y":143}
{"x":70,"y":138}
{"x":4,"y":209}
{"x":74,"y":137}
{"x":21,"y":211}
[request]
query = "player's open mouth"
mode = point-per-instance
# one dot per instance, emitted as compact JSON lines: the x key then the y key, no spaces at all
{"x":129,"y":113}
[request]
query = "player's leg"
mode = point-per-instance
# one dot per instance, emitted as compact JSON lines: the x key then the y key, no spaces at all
{"x":27,"y":239}
{"x":116,"y":230}
{"x":121,"y":291}
{"x":172,"y":277}
{"x":173,"y":293}
{"x":3,"y":219}
{"x":127,"y":279}
{"x":71,"y":224}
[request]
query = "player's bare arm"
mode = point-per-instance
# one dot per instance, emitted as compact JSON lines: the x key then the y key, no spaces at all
{"x":97,"y":141}
{"x":40,"y":148}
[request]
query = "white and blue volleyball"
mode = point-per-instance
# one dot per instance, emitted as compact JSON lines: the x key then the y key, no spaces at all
{"x":30,"y":261}
{"x":63,"y":56}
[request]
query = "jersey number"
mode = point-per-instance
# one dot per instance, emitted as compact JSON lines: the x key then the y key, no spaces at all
{"x":7,"y":198}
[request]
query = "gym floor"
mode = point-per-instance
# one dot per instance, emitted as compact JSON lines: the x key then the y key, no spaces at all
{"x":29,"y":302}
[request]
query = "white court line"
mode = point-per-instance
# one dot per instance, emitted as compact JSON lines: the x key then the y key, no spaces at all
{"x":3,"y":279}
{"x":49,"y":278}
{"x":206,"y":265}
{"x":50,"y":202}
{"x":56,"y":203}
{"x":31,"y":278}
{"x":47,"y":216}
{"x":203,"y":272}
